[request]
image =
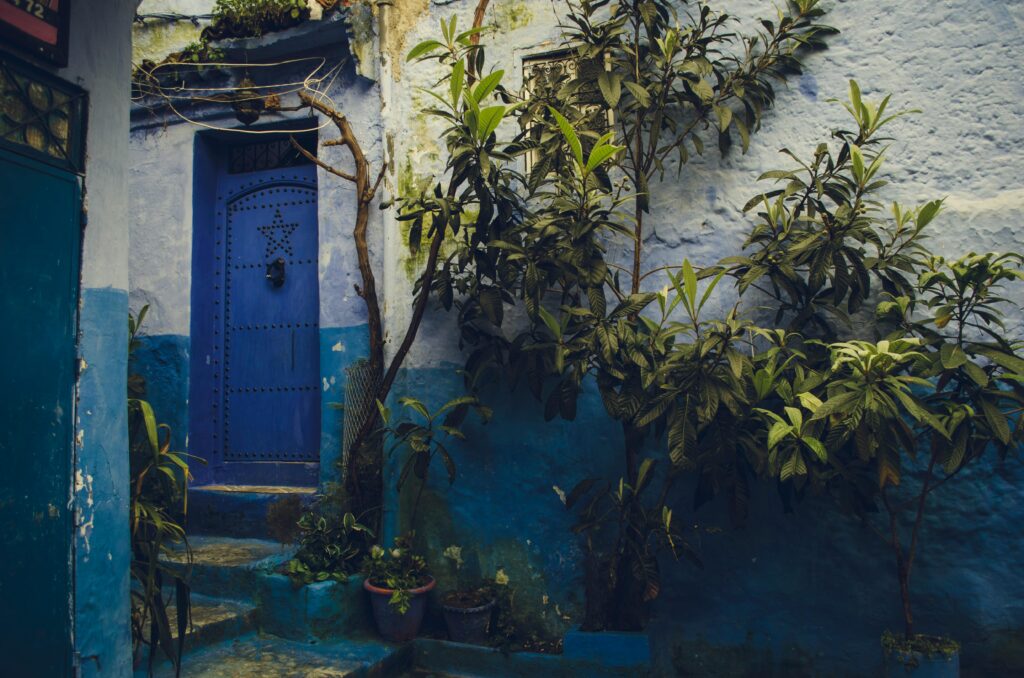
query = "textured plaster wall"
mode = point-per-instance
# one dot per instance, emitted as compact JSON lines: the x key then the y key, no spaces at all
{"x":800,"y":594}
{"x":99,"y":61}
{"x":161,"y":185}
{"x":161,"y":37}
{"x":789,"y":594}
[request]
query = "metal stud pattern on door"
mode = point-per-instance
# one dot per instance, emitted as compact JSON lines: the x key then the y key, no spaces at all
{"x":270,"y":384}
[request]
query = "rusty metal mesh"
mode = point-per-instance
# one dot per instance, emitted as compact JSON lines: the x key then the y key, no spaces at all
{"x":360,"y":402}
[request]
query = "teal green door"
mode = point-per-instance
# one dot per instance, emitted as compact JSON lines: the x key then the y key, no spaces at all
{"x":39,"y":266}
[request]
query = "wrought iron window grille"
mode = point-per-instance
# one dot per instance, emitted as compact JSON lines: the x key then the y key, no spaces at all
{"x":544,"y":76}
{"x":41,"y":116}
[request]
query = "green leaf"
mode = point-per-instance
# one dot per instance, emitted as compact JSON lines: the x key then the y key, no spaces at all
{"x":422,"y":48}
{"x":610,"y":85}
{"x":815,"y":445}
{"x":415,"y":405}
{"x":777,"y":433}
{"x":458,"y":73}
{"x":858,"y":163}
{"x":150,"y":421}
{"x":643,"y":473}
{"x":491,"y":303}
{"x":703,"y":89}
{"x":952,"y":356}
{"x":1004,"y":360}
{"x":690,"y":283}
{"x":724,"y":114}
{"x":487,"y":85}
{"x":570,"y":136}
{"x":643,"y":97}
{"x":741,"y":127}
{"x":888,"y":468}
{"x":550,"y":321}
{"x":794,"y":466}
{"x":489,"y":120}
{"x":599,"y":154}
{"x":928,"y":212}
{"x":996,"y":420}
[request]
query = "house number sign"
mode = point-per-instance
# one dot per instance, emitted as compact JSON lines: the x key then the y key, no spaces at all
{"x":37,"y":26}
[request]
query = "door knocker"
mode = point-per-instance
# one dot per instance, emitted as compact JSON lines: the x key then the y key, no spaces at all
{"x":275,"y":272}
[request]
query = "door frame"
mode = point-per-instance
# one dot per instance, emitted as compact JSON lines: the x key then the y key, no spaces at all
{"x":67,"y":505}
{"x":209,"y":203}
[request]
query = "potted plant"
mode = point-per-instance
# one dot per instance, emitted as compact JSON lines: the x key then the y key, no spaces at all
{"x":328,"y":548}
{"x":879,"y":422}
{"x":469,"y":608}
{"x":398,"y":582}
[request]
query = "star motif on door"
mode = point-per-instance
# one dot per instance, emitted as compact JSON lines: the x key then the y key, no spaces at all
{"x":278,"y":235}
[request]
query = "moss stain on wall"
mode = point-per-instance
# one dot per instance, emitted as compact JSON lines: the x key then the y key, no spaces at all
{"x":155,"y":41}
{"x":402,"y":18}
{"x":436,"y":529}
{"x":508,"y":16}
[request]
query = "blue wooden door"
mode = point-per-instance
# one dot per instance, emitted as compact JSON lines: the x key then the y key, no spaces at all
{"x":39,"y":242}
{"x":265,"y":409}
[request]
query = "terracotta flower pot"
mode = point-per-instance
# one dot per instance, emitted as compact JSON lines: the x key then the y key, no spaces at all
{"x":391,"y":624}
{"x":468,"y":624}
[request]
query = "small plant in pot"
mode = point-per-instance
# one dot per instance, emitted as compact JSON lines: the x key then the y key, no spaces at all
{"x":398,"y":582}
{"x":329,"y":548}
{"x":469,"y":609}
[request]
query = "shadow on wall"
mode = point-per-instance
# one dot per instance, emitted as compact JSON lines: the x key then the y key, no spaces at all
{"x":803,"y":593}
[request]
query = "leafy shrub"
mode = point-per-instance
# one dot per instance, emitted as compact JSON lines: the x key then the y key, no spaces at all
{"x":329,"y":549}
{"x":253,"y":18}
{"x":397,"y":569}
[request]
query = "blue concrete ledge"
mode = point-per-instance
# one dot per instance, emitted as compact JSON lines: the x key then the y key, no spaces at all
{"x":610,"y":648}
{"x":487,"y":662}
{"x":313,"y":612}
{"x":238,"y":511}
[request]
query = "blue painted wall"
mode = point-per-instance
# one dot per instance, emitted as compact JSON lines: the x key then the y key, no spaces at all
{"x":163,"y":360}
{"x":800,"y":594}
{"x":102,"y":635}
{"x":100,"y":62}
{"x":805,"y":593}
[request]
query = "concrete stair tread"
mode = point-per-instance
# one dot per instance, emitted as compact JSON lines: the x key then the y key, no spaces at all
{"x":255,"y":489}
{"x":231,"y":551}
{"x":209,"y":613}
{"x":255,"y":656}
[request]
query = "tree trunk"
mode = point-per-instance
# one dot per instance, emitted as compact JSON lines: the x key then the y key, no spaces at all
{"x":908,"y":615}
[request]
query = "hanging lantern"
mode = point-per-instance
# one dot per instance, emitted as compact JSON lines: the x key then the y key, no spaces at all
{"x":248,"y":103}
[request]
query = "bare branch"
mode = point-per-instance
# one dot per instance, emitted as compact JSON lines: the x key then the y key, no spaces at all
{"x":315,"y":160}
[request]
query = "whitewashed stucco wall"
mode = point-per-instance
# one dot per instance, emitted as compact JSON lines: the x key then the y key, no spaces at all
{"x":956,"y":61}
{"x":789,"y":579}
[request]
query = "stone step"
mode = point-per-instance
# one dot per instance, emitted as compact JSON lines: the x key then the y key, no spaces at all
{"x":243,"y":510}
{"x":229,"y":567}
{"x":214,"y":620}
{"x":256,"y":656}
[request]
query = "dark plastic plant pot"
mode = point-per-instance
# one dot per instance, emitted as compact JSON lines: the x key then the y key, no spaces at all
{"x":391,"y":624}
{"x":468,"y":624}
{"x":917,"y":664}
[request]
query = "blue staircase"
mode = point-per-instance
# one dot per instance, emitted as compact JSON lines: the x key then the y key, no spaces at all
{"x":247,"y":618}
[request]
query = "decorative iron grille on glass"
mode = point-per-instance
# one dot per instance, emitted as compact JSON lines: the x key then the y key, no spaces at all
{"x":543,"y":77}
{"x":266,"y":155}
{"x":41,"y":116}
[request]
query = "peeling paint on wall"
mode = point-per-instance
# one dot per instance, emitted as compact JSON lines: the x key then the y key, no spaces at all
{"x":402,"y":17}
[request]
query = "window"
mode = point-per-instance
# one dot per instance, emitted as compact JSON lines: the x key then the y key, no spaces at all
{"x":267,"y":155}
{"x":41,"y":116}
{"x":544,"y":75}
